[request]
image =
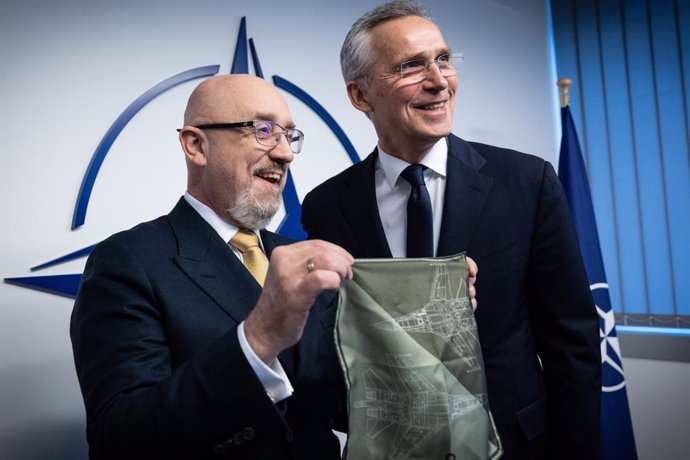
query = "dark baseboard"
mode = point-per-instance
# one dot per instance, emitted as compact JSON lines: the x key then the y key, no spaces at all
{"x":654,"y":346}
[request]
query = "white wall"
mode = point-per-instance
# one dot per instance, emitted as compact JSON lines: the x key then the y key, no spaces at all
{"x":659,"y":407}
{"x":69,"y":68}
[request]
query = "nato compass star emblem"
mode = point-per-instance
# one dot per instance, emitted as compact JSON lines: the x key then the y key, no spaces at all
{"x":68,"y":284}
{"x":612,"y":378}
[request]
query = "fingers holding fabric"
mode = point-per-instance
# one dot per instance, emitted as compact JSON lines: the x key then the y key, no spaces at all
{"x":297,"y":274}
{"x":328,"y":257}
{"x":472,"y":291}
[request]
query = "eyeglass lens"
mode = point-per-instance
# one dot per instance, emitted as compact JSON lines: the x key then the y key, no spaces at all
{"x":269,"y":134}
{"x":417,"y":69}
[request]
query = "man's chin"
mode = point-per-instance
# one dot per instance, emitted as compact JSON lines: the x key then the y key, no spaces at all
{"x":253,"y":212}
{"x":437,"y":131}
{"x":268,"y":202}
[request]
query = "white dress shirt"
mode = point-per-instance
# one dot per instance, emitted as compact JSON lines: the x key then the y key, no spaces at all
{"x":392,"y":193}
{"x":273,"y":377}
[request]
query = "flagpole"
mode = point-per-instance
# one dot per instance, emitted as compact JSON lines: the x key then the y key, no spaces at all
{"x":564,"y":87}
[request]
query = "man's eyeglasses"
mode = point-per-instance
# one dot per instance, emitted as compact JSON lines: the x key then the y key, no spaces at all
{"x":416,"y":70}
{"x":267,"y":133}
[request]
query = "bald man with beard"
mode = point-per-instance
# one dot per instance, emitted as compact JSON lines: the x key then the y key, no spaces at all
{"x":180,"y":350}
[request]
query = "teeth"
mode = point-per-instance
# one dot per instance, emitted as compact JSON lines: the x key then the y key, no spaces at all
{"x":432,"y":106}
{"x":273,"y":177}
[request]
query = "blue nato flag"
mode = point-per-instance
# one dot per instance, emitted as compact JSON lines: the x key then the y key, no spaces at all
{"x":617,"y":439}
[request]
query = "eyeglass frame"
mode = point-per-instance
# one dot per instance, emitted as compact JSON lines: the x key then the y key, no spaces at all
{"x":427,"y":65}
{"x":253,"y":124}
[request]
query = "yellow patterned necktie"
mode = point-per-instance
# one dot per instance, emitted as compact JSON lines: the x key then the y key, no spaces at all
{"x":247,"y":242}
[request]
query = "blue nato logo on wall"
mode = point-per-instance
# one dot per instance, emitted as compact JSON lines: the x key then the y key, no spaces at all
{"x":68,"y":284}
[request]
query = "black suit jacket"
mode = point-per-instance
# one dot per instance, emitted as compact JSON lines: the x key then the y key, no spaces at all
{"x":507,"y":211}
{"x":154,"y":333}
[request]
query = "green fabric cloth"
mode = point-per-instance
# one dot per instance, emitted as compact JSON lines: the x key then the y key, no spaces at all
{"x":407,"y":341}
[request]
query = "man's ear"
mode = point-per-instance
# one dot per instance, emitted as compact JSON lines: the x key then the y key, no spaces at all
{"x":194,"y":144}
{"x":358,"y":96}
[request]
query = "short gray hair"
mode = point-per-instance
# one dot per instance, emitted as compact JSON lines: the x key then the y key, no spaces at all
{"x":355,"y":55}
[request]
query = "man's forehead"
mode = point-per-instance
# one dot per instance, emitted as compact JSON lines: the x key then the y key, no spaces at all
{"x":408,"y":35}
{"x":257,"y":103}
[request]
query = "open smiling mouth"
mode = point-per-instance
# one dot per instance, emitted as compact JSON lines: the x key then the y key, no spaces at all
{"x":432,"y":107}
{"x":272,"y":177}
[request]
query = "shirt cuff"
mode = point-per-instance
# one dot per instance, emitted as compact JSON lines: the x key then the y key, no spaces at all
{"x":273,"y":377}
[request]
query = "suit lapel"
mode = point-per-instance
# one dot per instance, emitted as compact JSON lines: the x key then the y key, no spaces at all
{"x":272,"y":240}
{"x":466,"y":192}
{"x":210,"y":263}
{"x":361,"y":212}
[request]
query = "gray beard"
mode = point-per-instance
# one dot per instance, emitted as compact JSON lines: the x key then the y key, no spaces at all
{"x":250,"y":213}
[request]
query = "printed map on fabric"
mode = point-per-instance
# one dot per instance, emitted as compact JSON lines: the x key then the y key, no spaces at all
{"x":408,"y":344}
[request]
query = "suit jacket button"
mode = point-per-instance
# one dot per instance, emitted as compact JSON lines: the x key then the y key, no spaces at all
{"x":289,"y":435}
{"x":248,"y":433}
{"x":238,"y":438}
{"x":220,"y":449}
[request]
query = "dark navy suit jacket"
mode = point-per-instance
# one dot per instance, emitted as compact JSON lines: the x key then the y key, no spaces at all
{"x":538,"y":326}
{"x":154,"y":333}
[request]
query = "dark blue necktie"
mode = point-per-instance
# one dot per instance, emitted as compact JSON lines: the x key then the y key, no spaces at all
{"x":420,"y":227}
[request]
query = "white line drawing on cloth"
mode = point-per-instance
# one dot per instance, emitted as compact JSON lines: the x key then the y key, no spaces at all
{"x":415,"y":407}
{"x":447,"y":316}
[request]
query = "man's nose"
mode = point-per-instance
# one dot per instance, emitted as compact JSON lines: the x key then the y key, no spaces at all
{"x":283,"y":150}
{"x":434,"y":77}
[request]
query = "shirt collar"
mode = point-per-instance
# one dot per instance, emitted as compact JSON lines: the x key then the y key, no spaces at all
{"x":435,"y":160}
{"x":225,"y":229}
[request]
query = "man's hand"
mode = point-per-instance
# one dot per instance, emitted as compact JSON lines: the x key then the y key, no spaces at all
{"x":297,"y":274}
{"x":473,"y":279}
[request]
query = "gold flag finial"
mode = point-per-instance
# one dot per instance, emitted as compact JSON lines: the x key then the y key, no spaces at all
{"x":564,"y":86}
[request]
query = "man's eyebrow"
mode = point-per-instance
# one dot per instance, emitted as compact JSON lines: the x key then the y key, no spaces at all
{"x":422,"y":54}
{"x":444,"y":50}
{"x":271,"y":118}
{"x":262,"y":116}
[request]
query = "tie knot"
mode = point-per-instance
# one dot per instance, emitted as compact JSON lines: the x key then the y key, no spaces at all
{"x":244,"y":239}
{"x":414,"y":174}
